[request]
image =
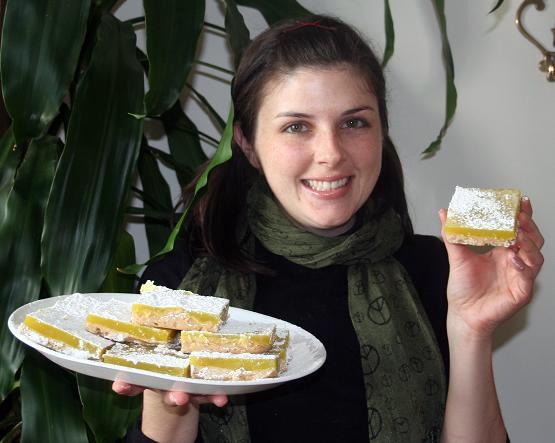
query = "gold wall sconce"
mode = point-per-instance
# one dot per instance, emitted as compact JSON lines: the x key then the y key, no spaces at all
{"x":547,"y":64}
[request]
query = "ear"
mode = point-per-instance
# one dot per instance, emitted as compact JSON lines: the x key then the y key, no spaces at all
{"x":245,"y":146}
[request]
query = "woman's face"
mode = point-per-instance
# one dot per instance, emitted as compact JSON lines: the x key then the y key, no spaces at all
{"x":318,"y":142}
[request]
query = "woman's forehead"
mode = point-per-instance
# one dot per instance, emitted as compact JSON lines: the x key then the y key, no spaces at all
{"x":300,"y":86}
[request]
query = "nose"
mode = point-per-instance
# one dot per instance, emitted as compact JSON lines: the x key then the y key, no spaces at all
{"x":329,"y":148}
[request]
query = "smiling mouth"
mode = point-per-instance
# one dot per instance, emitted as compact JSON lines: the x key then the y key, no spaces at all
{"x":326,"y":185}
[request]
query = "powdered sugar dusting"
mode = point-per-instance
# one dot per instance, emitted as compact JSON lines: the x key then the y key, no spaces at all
{"x":192,"y":302}
{"x":113,"y":309}
{"x":489,"y":209}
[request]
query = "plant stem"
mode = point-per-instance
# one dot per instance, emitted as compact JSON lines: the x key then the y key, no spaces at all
{"x":216,"y":27}
{"x":218,"y":68}
{"x":135,"y":21}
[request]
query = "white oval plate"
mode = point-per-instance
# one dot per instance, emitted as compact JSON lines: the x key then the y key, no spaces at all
{"x":305,"y":355}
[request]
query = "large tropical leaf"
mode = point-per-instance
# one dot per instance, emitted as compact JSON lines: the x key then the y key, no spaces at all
{"x":108,"y":414}
{"x":41,"y":41}
{"x":451,"y":90}
{"x":20,"y":252}
{"x":50,"y":404}
{"x":237,"y":32}
{"x":275,"y":10}
{"x":172,"y":31}
{"x":222,"y":154}
{"x":183,"y":141}
{"x":124,"y":255}
{"x":86,"y":207}
{"x":10,"y":156}
{"x":156,"y":187}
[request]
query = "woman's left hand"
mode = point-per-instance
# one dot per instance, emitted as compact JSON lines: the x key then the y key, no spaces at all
{"x":484,"y":290}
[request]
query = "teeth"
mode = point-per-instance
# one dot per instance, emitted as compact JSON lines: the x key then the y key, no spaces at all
{"x":319,"y":185}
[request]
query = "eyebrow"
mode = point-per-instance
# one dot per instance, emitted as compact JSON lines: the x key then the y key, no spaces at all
{"x":303,"y":115}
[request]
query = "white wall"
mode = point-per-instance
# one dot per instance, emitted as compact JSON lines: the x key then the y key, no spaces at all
{"x":502,"y":136}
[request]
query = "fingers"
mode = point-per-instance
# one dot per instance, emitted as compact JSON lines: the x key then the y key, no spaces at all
{"x":219,"y":400}
{"x":122,"y":388}
{"x":175,"y":398}
{"x":170,"y":398}
{"x":527,"y":252}
{"x":527,"y":224}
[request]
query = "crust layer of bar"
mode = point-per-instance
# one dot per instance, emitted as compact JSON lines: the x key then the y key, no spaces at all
{"x":481,"y":217}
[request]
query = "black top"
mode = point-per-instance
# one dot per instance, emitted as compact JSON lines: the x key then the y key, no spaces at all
{"x":329,"y":405}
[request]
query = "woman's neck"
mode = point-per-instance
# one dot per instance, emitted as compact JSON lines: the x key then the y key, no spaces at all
{"x":329,"y":232}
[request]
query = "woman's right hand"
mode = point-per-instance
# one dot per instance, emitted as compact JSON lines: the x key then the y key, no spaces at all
{"x":169,"y":416}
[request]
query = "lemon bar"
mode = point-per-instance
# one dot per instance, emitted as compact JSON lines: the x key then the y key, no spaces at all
{"x":280,"y":346}
{"x":59,"y":330}
{"x":226,"y":366}
{"x":481,"y":217}
{"x":174,"y":310}
{"x":234,"y":336}
{"x":112,"y":320}
{"x":147,"y":358}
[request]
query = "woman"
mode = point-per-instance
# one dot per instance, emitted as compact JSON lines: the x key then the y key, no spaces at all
{"x":308,"y":223}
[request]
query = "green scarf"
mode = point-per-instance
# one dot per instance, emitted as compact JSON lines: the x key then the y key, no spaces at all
{"x":401,"y":363}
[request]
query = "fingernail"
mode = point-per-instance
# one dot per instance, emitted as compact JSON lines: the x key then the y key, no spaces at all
{"x":171,"y":397}
{"x":519,"y":264}
{"x":525,"y":198}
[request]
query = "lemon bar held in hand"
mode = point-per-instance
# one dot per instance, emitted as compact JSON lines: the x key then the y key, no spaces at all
{"x":226,"y":366}
{"x":147,"y":358}
{"x":112,"y":320}
{"x":234,"y":336}
{"x":174,"y":310}
{"x":478,"y":216}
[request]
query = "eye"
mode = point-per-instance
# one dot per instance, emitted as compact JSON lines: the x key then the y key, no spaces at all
{"x":296,"y":128}
{"x":355,"y":123}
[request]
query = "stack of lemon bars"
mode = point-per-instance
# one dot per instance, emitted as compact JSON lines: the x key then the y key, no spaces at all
{"x":173,"y":332}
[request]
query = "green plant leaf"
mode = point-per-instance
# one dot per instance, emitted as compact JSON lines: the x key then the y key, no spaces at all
{"x":88,"y":199}
{"x":157,"y":188}
{"x":222,"y":154}
{"x":20,"y":234}
{"x":497,"y":6}
{"x":124,"y":255}
{"x":41,"y":42}
{"x":153,"y":213}
{"x":184,"y":143}
{"x":50,"y":405}
{"x":274,"y":10}
{"x":108,"y":414}
{"x":10,"y":156}
{"x":173,"y":28}
{"x":451,"y":90}
{"x":237,"y":32}
{"x":389,"y":34}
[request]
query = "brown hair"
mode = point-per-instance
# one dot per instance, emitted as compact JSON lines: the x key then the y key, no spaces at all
{"x":314,"y":41}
